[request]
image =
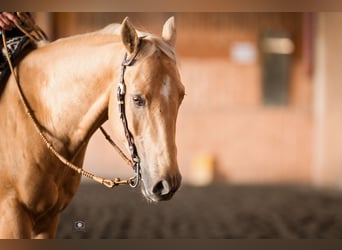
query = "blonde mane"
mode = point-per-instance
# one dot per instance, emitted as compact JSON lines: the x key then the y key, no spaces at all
{"x":115,"y":29}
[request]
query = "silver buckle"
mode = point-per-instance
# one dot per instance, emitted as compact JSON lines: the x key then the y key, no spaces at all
{"x":134,"y":180}
{"x":122,"y":88}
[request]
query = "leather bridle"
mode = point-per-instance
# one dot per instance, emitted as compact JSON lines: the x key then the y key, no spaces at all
{"x":121,"y":92}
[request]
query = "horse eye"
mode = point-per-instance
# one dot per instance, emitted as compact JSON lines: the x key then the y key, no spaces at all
{"x":139,"y":101}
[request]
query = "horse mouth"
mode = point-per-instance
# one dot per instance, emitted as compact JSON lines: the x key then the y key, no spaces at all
{"x":155,"y":198}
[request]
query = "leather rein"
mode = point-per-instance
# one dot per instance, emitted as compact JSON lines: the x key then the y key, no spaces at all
{"x":121,"y":92}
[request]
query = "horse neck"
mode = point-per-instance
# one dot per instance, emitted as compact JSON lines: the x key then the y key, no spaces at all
{"x":71,"y":96}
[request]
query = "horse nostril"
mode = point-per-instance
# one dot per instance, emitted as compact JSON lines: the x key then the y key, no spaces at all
{"x":161,"y":188}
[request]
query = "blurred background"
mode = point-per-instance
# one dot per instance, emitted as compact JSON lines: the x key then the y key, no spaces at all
{"x":262,"y":107}
{"x":263,"y":94}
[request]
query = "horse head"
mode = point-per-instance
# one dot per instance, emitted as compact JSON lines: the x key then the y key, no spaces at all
{"x":153,"y":96}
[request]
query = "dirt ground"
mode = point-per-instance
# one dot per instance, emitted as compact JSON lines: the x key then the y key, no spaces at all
{"x":218,"y":211}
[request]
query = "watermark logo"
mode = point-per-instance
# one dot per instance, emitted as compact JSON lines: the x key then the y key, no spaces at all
{"x":80,"y":226}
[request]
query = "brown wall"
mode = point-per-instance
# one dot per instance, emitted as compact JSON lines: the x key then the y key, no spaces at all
{"x":328,"y":101}
{"x":223,"y":115}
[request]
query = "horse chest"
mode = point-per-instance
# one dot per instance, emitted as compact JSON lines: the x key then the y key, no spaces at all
{"x":43,"y":194}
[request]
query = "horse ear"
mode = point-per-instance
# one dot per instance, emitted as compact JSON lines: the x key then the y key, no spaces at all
{"x":129,"y":36}
{"x":169,"y":31}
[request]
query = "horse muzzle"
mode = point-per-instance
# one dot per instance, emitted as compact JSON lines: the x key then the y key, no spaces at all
{"x":162,"y":189}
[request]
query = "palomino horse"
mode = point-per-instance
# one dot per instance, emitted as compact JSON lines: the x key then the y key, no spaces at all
{"x":70,"y":85}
